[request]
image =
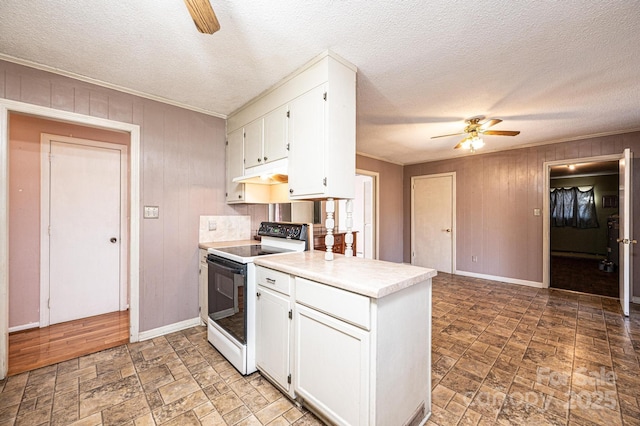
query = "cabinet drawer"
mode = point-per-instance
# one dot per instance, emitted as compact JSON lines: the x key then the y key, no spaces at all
{"x":275,"y":280}
{"x":338,"y":303}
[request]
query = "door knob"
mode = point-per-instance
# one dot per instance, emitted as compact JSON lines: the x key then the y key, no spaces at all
{"x":448,"y":230}
{"x":113,"y":240}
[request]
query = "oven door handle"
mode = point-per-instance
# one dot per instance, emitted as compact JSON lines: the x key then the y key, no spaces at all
{"x":238,"y":271}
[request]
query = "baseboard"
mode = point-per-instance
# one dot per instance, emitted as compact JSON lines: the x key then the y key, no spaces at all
{"x":167,"y":329}
{"x":24,"y":327}
{"x":501,"y":279}
{"x":635,"y":299}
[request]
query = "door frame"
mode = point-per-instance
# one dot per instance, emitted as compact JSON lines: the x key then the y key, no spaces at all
{"x":546,"y":219}
{"x":45,"y":180}
{"x":453,"y":215}
{"x":375,"y":181}
{"x":7,"y":106}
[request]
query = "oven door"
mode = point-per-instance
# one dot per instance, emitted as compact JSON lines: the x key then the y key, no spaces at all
{"x":227,"y":302}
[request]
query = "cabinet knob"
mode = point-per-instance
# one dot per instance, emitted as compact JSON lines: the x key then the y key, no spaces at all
{"x":258,"y":294}
{"x":239,"y":196}
{"x":291,"y":191}
{"x":265,"y":158}
{"x":259,"y":160}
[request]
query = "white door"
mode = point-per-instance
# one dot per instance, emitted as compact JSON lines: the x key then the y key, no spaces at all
{"x":626,"y":229}
{"x":84,"y":224}
{"x":432,"y":216}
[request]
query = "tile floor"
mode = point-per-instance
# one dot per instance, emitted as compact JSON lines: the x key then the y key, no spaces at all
{"x":502,"y":354}
{"x":509,"y":354}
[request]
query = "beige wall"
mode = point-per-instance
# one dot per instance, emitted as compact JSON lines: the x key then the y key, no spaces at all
{"x":390,"y":206}
{"x":182,"y":171}
{"x":496,"y":195}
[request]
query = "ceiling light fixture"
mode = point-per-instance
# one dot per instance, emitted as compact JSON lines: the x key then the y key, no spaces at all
{"x":473,"y":143}
{"x":203,"y":16}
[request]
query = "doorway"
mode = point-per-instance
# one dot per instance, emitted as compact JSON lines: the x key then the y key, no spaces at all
{"x":364,"y":214}
{"x":584,"y":253}
{"x":8,"y":107}
{"x":83,"y":249}
{"x":433,"y":208}
{"x":625,"y":235}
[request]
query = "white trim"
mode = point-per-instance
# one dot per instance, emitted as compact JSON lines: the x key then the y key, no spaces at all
{"x":4,"y":241}
{"x":635,"y":299}
{"x":24,"y":327}
{"x":453,"y":215}
{"x":502,"y":279}
{"x":376,"y":208}
{"x":45,"y":181}
{"x":167,"y":329}
{"x":546,"y":220}
{"x":107,"y":85}
{"x":7,"y":106}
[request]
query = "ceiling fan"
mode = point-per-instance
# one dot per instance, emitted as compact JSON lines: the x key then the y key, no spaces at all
{"x":203,"y":16}
{"x":477,"y":126}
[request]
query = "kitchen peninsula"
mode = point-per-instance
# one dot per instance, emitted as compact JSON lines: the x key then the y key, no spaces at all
{"x":349,"y":338}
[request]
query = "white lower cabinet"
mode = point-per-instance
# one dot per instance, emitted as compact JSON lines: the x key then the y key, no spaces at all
{"x":273,"y":332}
{"x":351,"y":359}
{"x":332,"y":366}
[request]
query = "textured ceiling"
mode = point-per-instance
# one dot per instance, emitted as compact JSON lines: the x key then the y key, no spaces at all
{"x":555,"y":70}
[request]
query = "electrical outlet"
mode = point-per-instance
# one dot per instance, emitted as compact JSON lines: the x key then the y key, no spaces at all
{"x":474,"y":258}
{"x":213,"y":225}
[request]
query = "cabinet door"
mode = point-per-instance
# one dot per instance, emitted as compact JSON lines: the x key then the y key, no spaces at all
{"x":306,"y":144}
{"x":253,"y":155}
{"x":332,"y":366}
{"x":203,"y":285}
{"x":275,"y":134}
{"x":273,"y":330}
{"x":235,"y":166}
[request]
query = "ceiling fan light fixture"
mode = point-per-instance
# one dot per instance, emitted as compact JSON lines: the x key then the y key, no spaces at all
{"x":203,"y":16}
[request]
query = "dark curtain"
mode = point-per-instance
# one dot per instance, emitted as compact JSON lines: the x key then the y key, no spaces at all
{"x":573,"y":207}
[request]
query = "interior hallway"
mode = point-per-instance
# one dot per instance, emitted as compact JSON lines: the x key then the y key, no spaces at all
{"x":502,"y":354}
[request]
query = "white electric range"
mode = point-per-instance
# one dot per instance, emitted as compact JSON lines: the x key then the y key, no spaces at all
{"x":232,"y":290}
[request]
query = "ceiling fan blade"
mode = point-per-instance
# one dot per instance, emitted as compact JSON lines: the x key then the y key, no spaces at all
{"x":501,"y":132}
{"x":203,"y":16}
{"x":444,"y":136}
{"x":489,"y":123}
{"x":460,"y":143}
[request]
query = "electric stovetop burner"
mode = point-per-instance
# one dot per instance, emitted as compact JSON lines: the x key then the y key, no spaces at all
{"x":252,"y":250}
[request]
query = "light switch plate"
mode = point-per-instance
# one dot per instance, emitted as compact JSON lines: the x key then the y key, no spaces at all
{"x":151,"y":212}
{"x":536,"y":212}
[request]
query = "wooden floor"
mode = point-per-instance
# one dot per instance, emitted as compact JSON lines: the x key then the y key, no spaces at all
{"x":39,"y":347}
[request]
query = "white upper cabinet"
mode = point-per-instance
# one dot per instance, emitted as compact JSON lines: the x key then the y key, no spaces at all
{"x":275,"y":135}
{"x":235,"y":166}
{"x":306,"y":144}
{"x":253,"y":133}
{"x":304,"y":127}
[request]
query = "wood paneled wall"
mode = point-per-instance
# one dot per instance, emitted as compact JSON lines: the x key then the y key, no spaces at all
{"x":496,"y":195}
{"x":182,"y":155}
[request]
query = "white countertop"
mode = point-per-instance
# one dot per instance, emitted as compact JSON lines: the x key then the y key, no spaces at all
{"x":371,"y":278}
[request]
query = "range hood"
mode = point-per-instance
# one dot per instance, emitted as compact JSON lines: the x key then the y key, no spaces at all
{"x":266,"y":174}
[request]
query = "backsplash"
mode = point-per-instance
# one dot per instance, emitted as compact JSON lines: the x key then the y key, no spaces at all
{"x":228,"y":228}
